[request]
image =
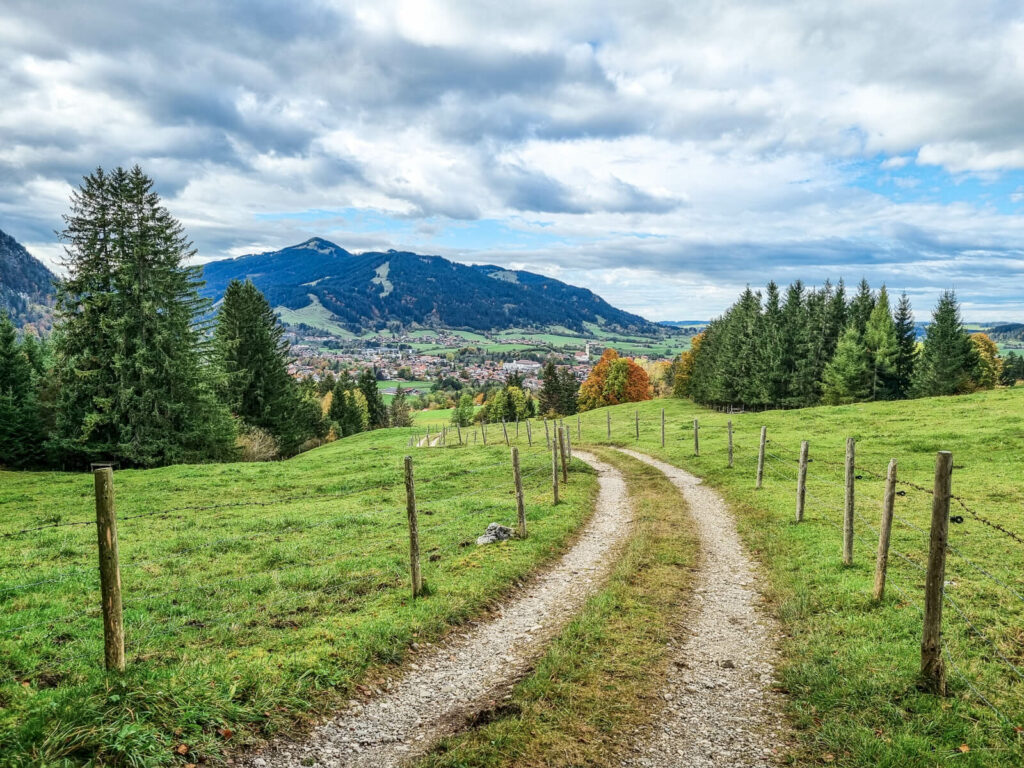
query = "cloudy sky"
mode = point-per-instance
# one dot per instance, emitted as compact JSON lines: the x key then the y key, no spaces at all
{"x":663,"y":154}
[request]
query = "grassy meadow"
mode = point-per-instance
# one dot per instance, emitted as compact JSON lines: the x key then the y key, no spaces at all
{"x":255,"y":595}
{"x":851,"y":666}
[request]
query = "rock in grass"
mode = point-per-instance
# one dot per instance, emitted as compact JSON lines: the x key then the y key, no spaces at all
{"x":494,"y":532}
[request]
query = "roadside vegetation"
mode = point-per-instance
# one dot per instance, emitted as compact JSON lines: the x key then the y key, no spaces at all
{"x":256,"y":596}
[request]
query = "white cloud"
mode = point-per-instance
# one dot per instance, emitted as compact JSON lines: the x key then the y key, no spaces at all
{"x":699,"y":145}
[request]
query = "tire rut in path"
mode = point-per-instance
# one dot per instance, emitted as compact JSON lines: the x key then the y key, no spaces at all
{"x":445,"y":686}
{"x":721,"y":709}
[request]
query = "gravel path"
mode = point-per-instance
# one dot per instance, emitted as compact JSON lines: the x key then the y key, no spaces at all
{"x":449,"y":684}
{"x":720,"y":707}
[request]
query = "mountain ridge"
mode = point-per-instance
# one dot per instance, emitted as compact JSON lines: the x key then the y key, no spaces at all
{"x":379,"y":289}
{"x":26,"y":284}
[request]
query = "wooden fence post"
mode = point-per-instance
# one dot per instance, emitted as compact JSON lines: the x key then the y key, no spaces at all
{"x":662,"y":427}
{"x":547,"y":433}
{"x":110,"y":570}
{"x":636,"y":417}
{"x":568,"y":442}
{"x":696,"y":437}
{"x":884,"y":531}
{"x":849,"y":501}
{"x":529,"y":434}
{"x":730,"y":443}
{"x":520,"y":506}
{"x":444,"y":436}
{"x":504,"y":430}
{"x":801,"y":483}
{"x":608,"y":414}
{"x":933,"y":670}
{"x":554,"y":472}
{"x":483,"y":431}
{"x":414,"y":529}
{"x":760,"y":457}
{"x":561,"y":448}
{"x":459,"y":428}
{"x":428,"y":437}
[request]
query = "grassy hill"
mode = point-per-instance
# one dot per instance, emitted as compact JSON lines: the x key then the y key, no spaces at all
{"x":851,"y":666}
{"x":255,"y":595}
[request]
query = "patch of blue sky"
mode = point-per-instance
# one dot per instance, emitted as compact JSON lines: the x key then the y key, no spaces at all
{"x":1002,"y":191}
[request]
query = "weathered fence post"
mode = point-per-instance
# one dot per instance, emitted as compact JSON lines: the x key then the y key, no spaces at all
{"x":414,"y":529}
{"x":885,"y":531}
{"x":444,"y":436}
{"x":428,"y":436}
{"x":561,"y":448}
{"x":504,"y":430}
{"x":696,"y":437}
{"x":730,"y":443}
{"x":529,"y":434}
{"x":608,"y":414}
{"x":554,"y":472}
{"x":474,"y":435}
{"x":520,"y":506}
{"x":547,"y":433}
{"x":459,"y":428}
{"x":933,"y":671}
{"x":568,"y":442}
{"x":483,"y":431}
{"x":849,"y":501}
{"x":760,"y":457}
{"x":662,"y":427}
{"x":801,"y":483}
{"x":110,"y":570}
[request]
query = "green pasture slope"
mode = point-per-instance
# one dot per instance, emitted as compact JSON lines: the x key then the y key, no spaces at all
{"x":849,"y":666}
{"x":255,"y":595}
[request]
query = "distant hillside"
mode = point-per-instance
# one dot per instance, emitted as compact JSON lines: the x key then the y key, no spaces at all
{"x":26,"y":285}
{"x":375,"y":290}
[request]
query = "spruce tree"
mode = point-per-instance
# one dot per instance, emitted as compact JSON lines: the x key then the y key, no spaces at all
{"x":343,"y":411}
{"x":257,"y":388}
{"x":906,"y":348}
{"x":882,"y":347}
{"x":847,"y":378}
{"x":861,"y":306}
{"x":378,"y":412}
{"x":568,"y":389}
{"x":772,"y":345}
{"x":550,"y":389}
{"x":133,"y":364}
{"x":948,"y":358}
{"x":21,"y":424}
{"x":398,"y":411}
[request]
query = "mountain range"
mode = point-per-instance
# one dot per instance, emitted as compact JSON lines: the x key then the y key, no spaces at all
{"x":26,"y":285}
{"x":375,"y":290}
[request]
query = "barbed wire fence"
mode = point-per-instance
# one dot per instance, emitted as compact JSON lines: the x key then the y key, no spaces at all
{"x":914,"y":561}
{"x":65,"y":614}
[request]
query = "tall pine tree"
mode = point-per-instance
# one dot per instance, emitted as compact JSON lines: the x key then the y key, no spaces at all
{"x":948,"y":360}
{"x":906,"y":348}
{"x":136,"y":382}
{"x":257,"y":387}
{"x":882,"y":347}
{"x":22,"y":432}
{"x":847,"y":378}
{"x":378,"y":412}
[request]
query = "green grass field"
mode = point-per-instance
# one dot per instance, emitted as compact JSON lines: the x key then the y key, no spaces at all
{"x":851,"y":667}
{"x":255,"y":595}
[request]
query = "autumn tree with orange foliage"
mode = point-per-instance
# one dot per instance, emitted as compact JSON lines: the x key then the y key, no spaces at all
{"x":612,"y":381}
{"x":683,"y":368}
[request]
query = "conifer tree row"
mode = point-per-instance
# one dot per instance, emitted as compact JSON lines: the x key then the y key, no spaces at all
{"x":815,"y":346}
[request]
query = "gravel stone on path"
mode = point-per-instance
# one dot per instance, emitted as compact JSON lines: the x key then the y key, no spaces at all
{"x":440,"y":692}
{"x":721,"y":709}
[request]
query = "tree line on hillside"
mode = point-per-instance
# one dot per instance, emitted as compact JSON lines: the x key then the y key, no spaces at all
{"x":137,"y":371}
{"x":817,"y":346}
